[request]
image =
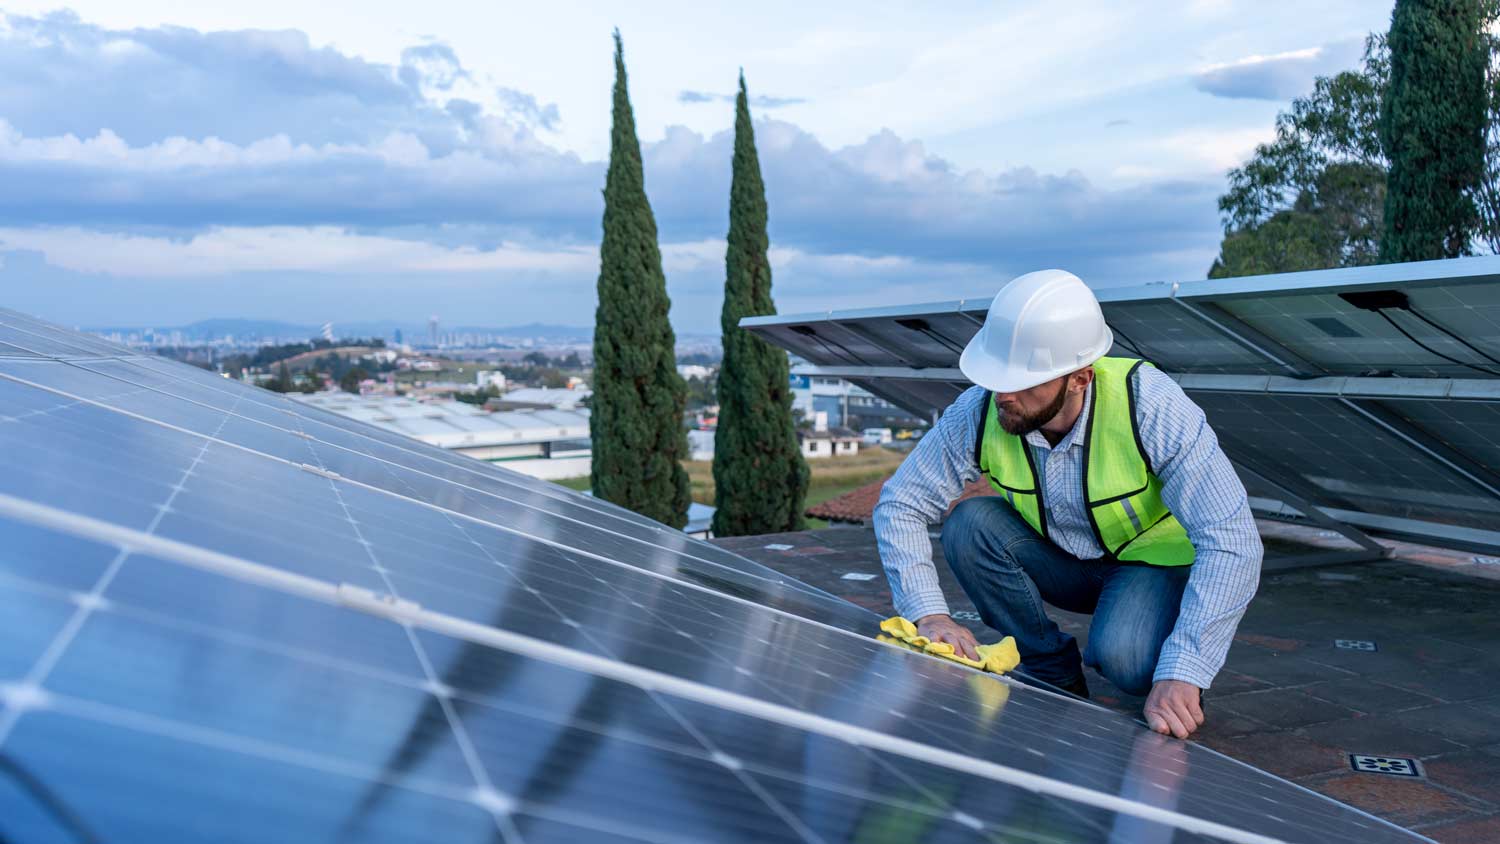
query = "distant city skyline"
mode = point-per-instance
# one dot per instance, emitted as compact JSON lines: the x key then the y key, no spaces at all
{"x":359,"y":161}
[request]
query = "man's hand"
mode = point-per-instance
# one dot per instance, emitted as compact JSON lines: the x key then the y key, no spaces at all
{"x":1174,"y":708}
{"x":942,"y":628}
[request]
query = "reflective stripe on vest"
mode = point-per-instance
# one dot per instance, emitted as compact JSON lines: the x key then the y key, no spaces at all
{"x":1130,"y":521}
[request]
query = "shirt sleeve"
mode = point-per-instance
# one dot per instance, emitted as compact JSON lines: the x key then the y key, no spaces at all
{"x":1200,"y":487}
{"x":918,"y":495}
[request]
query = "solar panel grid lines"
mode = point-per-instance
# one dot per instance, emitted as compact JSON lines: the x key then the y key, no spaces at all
{"x":1017,"y":727}
{"x":692,"y":549}
{"x":48,"y":659}
{"x":486,"y":790}
{"x":630,"y":674}
{"x":274,"y":408}
{"x":715,"y":752}
{"x":288,"y":450}
{"x":590,"y":637}
{"x":48,"y":341}
{"x":1355,"y":464}
{"x":1434,"y":448}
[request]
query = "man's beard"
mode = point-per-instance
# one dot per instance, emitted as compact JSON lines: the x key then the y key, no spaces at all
{"x":1023,"y":425}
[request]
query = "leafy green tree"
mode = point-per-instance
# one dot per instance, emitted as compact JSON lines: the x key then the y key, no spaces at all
{"x":1314,"y":197}
{"x":702,"y":392}
{"x":636,"y":425}
{"x":1432,"y":125}
{"x":283,"y":382}
{"x":479,"y":396}
{"x":1335,"y":222}
{"x":760,"y":478}
{"x":1337,"y":128}
{"x":349,"y":382}
{"x":1336,"y":123}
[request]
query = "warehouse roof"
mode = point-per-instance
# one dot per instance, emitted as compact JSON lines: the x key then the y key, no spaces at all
{"x":454,"y":424}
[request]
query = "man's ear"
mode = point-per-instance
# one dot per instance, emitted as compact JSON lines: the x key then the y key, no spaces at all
{"x":1081,"y":379}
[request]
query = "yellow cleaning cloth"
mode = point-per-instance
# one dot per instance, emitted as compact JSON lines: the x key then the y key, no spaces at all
{"x":1000,"y":657}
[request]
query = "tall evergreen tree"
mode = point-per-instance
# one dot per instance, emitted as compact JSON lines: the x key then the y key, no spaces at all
{"x":639,"y":399}
{"x":1432,"y":125}
{"x":760,"y":478}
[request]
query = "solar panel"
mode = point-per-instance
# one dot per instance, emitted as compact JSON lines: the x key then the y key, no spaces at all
{"x":228,"y":617}
{"x":1421,"y":340}
{"x":299,"y":436}
{"x":1354,"y":464}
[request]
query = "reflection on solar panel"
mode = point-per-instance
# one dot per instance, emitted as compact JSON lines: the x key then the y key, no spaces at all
{"x":1369,"y":393}
{"x":229,"y":617}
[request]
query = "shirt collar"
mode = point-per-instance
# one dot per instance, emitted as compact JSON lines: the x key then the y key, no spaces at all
{"x":1075,"y":436}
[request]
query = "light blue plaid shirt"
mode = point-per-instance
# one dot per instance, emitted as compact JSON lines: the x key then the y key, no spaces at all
{"x":1198,"y":484}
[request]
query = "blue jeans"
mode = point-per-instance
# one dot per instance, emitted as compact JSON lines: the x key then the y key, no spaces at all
{"x":1008,"y":570}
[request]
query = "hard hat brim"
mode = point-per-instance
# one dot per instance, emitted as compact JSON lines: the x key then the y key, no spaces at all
{"x":999,"y":376}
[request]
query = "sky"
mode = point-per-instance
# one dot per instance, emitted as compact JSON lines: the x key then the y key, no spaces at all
{"x":166,"y":162}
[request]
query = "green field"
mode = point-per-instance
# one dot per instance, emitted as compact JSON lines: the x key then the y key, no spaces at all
{"x":831,"y":476}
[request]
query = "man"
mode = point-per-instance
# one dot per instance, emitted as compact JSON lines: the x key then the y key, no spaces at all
{"x":1114,"y":499}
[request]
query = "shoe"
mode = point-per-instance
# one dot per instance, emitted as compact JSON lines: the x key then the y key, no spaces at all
{"x":1077,"y":688}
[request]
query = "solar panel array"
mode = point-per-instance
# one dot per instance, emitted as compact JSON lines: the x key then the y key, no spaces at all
{"x":1373,"y":391}
{"x":230,"y":617}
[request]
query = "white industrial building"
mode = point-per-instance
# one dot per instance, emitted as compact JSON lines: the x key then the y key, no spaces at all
{"x":694,"y":370}
{"x":548,"y":444}
{"x":701,"y":444}
{"x":539,"y":398}
{"x":846,"y":404}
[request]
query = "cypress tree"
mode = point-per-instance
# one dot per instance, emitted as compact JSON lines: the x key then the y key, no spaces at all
{"x":1432,"y":122}
{"x":639,"y":399}
{"x":760,"y":478}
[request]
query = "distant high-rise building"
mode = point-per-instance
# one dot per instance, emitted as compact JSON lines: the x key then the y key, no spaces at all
{"x":432,"y":329}
{"x":328,"y":331}
{"x":398,"y":336}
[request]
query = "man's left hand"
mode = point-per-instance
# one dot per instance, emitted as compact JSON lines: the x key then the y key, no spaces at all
{"x":1174,"y":707}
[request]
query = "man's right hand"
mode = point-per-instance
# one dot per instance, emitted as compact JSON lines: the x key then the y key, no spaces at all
{"x":941,"y":627}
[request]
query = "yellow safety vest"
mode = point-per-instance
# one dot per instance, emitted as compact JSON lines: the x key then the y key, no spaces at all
{"x":1130,"y":521}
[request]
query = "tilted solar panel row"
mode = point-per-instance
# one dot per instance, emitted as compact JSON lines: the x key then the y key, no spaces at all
{"x":229,"y":617}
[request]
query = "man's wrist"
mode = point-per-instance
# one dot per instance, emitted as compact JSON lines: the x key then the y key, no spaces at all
{"x":934,"y":616}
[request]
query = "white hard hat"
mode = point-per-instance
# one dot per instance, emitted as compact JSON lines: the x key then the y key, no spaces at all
{"x":1041,"y":326}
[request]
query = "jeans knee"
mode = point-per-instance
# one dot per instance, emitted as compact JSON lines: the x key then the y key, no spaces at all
{"x":1126,"y":664}
{"x":959,"y":528}
{"x":986,"y":524}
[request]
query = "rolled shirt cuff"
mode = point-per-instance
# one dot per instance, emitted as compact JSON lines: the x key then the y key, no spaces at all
{"x":1184,"y":667}
{"x":921,"y":606}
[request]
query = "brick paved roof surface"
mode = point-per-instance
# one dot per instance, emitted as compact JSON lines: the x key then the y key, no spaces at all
{"x":856,"y":506}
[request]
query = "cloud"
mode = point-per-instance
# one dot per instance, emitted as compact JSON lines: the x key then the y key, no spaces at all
{"x":885,"y":196}
{"x":1216,"y":150}
{"x":1278,"y":77}
{"x":65,"y":76}
{"x":144,"y":156}
{"x":431,"y":65}
{"x":758,"y":101}
{"x":524,"y":107}
{"x":225,"y":251}
{"x":503,"y":176}
{"x":1119,"y":121}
